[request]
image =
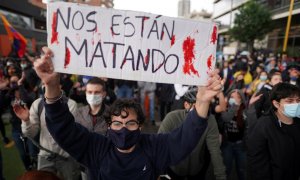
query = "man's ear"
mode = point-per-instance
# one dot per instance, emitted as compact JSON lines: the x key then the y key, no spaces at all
{"x":275,"y":103}
{"x":186,"y":105}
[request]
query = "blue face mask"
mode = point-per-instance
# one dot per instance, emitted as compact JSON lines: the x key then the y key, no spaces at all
{"x":292,"y":110}
{"x":232,"y":102}
{"x":124,"y":139}
{"x":263,"y":78}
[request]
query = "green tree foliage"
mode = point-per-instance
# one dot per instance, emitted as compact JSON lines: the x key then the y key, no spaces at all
{"x":253,"y":22}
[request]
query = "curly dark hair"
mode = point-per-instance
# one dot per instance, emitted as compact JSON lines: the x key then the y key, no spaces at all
{"x":122,"y":105}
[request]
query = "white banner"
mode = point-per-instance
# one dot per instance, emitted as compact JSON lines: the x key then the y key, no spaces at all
{"x":95,"y":41}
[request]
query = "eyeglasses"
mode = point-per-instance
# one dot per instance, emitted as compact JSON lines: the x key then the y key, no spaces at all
{"x":130,"y":125}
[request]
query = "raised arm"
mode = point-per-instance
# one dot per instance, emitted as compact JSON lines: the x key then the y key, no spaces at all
{"x":72,"y":137}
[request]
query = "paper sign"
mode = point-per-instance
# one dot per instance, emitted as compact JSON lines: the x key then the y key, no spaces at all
{"x":95,"y":41}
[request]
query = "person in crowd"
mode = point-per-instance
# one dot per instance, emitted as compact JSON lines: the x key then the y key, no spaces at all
{"x":271,"y":64}
{"x":66,"y":83}
{"x":147,"y":91}
{"x":166,"y":94}
{"x":4,"y":103}
{"x":263,"y":104}
{"x":274,"y":141}
{"x":38,"y":175}
{"x":258,"y":83}
{"x":180,"y":90}
{"x":294,"y":74}
{"x":234,"y":120}
{"x":238,"y":83}
{"x":91,"y":116}
{"x":17,"y":95}
{"x":110,"y":94}
{"x":124,"y":88}
{"x":51,"y":157}
{"x":227,"y":74}
{"x":125,"y":153}
{"x":208,"y":148}
{"x":32,"y":81}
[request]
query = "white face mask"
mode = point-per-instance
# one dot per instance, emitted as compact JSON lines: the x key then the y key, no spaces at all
{"x":94,"y":100}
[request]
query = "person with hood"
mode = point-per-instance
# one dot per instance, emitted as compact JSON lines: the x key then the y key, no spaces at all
{"x":125,"y":153}
{"x":273,"y":143}
{"x":234,"y":127}
{"x":207,"y":150}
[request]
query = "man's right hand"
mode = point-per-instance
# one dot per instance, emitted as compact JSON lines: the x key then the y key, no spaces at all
{"x":21,"y":112}
{"x":45,"y":70}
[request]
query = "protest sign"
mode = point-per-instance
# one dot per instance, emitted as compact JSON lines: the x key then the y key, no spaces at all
{"x":95,"y":41}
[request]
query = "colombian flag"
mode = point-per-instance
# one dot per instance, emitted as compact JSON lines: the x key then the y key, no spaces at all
{"x":19,"y":42}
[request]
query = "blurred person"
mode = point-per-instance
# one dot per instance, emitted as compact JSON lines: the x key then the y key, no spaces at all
{"x":263,"y":105}
{"x":125,"y":153}
{"x":166,"y":94}
{"x":226,"y":73}
{"x":17,"y":95}
{"x":124,"y":88}
{"x":66,"y":83}
{"x":31,"y":81}
{"x":38,"y":175}
{"x":238,"y":83}
{"x":274,"y":141}
{"x":147,"y":90}
{"x":234,"y":120}
{"x":110,"y":94}
{"x":258,"y":83}
{"x":270,"y":64}
{"x":180,"y":90}
{"x":208,"y":148}
{"x":294,"y":74}
{"x":4,"y":104}
{"x":51,"y":157}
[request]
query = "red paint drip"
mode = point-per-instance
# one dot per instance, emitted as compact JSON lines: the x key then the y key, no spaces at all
{"x":67,"y":58}
{"x":162,"y":35}
{"x":54,"y":26}
{"x":112,"y":32}
{"x":124,"y":61}
{"x":210,"y":60}
{"x":173,"y":40}
{"x":147,"y":58}
{"x":213,"y":38}
{"x":188,"y":51}
{"x":96,"y":30}
{"x":113,"y":51}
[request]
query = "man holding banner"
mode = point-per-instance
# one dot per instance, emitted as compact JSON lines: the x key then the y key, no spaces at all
{"x":125,"y":154}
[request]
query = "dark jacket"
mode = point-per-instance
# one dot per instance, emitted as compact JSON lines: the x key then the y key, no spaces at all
{"x":263,"y":105}
{"x":272,"y":153}
{"x":153,"y":153}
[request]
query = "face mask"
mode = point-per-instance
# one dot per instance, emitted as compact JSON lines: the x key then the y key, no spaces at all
{"x":294,"y":78}
{"x":13,"y":84}
{"x":124,"y":139}
{"x":232,"y":102}
{"x":23,"y":66}
{"x":94,"y":99}
{"x":292,"y":110}
{"x":263,"y":78}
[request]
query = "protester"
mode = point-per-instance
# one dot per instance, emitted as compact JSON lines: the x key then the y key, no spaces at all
{"x":125,"y":153}
{"x":263,"y":105}
{"x":196,"y":164}
{"x":274,"y":141}
{"x":234,"y":120}
{"x":51,"y":157}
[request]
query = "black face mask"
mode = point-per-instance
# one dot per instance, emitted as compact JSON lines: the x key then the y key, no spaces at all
{"x":13,"y":85}
{"x":124,"y":139}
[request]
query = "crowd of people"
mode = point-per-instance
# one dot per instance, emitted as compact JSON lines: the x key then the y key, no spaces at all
{"x":82,"y":127}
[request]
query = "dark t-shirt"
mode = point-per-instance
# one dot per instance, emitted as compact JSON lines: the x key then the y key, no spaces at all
{"x":234,"y":133}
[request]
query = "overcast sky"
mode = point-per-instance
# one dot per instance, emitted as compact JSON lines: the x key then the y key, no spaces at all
{"x":162,"y":7}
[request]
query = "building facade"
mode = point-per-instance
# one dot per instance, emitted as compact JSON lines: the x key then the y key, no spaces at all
{"x":225,"y":11}
{"x":29,"y":18}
